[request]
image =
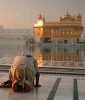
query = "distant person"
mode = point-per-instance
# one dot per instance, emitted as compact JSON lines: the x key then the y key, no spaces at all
{"x":22,"y":73}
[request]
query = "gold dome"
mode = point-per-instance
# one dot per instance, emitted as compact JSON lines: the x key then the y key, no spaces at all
{"x":68,"y":17}
{"x":79,"y":15}
{"x":40,"y":17}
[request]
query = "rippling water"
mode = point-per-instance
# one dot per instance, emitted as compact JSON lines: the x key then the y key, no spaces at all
{"x":46,"y":56}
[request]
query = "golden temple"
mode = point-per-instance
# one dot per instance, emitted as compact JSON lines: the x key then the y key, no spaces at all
{"x":67,"y":30}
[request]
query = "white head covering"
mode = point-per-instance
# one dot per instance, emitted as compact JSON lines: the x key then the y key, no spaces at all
{"x":23,"y":53}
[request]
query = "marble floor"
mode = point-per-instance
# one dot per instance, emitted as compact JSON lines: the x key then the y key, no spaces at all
{"x":53,"y":87}
{"x":61,"y":64}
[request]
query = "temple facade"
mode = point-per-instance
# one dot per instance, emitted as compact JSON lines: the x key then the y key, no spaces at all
{"x":67,"y":30}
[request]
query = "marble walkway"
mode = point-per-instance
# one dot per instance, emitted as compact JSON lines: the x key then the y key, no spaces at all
{"x":53,"y":87}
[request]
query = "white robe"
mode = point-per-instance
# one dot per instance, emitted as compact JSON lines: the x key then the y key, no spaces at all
{"x":23,"y":70}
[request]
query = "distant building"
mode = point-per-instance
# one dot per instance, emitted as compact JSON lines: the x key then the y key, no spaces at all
{"x":67,"y":30}
{"x":16,"y":36}
{"x":15,"y":33}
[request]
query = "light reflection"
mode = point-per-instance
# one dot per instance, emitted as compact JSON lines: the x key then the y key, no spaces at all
{"x":45,"y":56}
{"x":58,"y":54}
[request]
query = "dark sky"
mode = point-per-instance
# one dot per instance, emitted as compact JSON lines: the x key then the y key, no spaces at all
{"x":23,"y":13}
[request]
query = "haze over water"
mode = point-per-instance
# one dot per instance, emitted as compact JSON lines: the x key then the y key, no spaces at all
{"x":46,"y":56}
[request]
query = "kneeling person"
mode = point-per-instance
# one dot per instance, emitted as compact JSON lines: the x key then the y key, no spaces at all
{"x":21,"y":77}
{"x":22,"y":72}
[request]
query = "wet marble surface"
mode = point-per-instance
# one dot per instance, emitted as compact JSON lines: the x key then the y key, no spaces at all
{"x":53,"y":88}
{"x":61,"y":64}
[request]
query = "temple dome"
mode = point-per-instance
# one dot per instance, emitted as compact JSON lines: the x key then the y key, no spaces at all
{"x":67,"y":17}
{"x":40,"y":17}
{"x":79,"y":15}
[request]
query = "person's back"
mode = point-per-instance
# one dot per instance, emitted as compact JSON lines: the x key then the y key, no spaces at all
{"x":23,"y":70}
{"x":22,"y":78}
{"x":28,"y":60}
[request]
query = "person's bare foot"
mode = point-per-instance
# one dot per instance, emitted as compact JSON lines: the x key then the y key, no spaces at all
{"x":1,"y":85}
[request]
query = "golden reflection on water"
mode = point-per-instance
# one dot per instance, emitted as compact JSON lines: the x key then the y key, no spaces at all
{"x":57,"y":54}
{"x":43,"y":54}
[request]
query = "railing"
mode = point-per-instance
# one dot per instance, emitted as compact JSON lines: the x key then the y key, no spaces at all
{"x":63,"y":45}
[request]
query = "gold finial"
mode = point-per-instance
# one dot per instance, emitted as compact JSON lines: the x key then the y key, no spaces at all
{"x":67,"y":11}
